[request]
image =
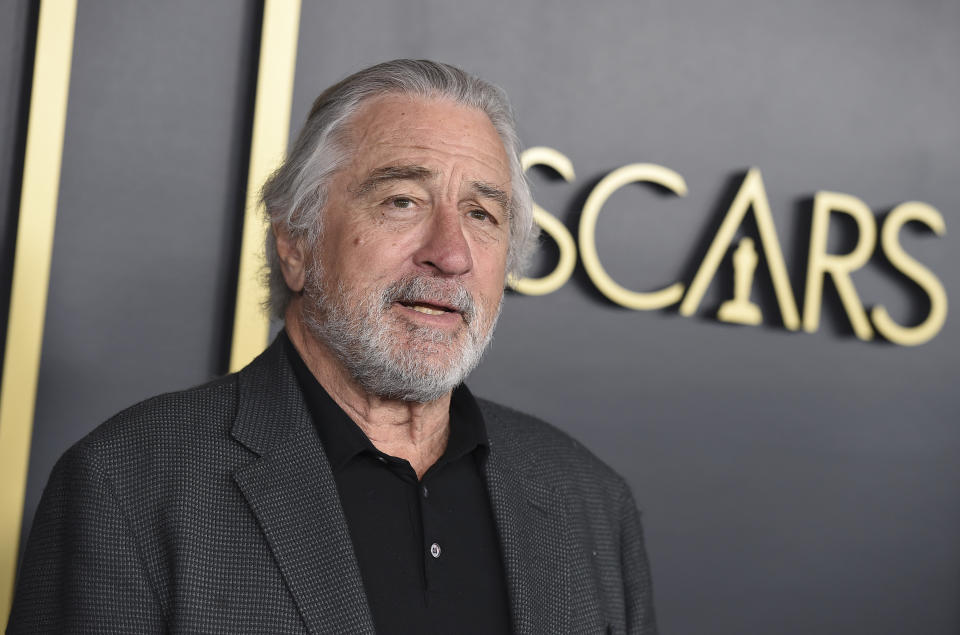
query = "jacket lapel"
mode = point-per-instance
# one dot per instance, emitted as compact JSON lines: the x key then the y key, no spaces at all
{"x":531,"y":522}
{"x":292,"y":493}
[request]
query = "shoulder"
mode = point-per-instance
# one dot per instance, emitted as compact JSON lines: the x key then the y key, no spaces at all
{"x":171,"y":414}
{"x":547,"y":453}
{"x":157,"y":433}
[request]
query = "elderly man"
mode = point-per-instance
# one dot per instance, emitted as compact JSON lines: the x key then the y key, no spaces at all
{"x":346,"y":481}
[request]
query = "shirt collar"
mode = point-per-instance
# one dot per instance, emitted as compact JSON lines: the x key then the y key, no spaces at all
{"x":343,"y":439}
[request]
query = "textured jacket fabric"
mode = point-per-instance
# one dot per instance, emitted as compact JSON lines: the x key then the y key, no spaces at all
{"x":214,"y":510}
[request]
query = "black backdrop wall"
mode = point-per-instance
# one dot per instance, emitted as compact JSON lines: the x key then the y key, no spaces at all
{"x":790,"y":482}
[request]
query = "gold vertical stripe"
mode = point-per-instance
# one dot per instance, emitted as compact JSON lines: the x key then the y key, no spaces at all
{"x":271,"y":128}
{"x":31,"y":272}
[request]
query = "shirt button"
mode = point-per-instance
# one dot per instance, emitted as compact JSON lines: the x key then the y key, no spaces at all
{"x":381,"y":459}
{"x":426,"y":492}
{"x":435,"y":550}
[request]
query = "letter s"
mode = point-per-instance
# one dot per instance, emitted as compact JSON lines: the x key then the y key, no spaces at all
{"x":557,"y":230}
{"x":889,"y":240}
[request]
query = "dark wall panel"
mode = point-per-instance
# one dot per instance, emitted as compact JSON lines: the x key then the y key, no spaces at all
{"x":17,"y":32}
{"x":151,"y":194}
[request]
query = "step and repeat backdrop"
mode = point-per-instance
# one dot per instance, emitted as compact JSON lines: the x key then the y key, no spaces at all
{"x":741,"y":302}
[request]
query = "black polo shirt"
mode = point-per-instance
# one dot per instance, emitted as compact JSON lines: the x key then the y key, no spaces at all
{"x":428,"y":550}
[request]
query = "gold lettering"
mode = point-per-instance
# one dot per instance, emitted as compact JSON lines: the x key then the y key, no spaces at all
{"x":633,"y":173}
{"x":889,"y":241}
{"x":557,"y":230}
{"x":751,"y":194}
{"x":839,"y":267}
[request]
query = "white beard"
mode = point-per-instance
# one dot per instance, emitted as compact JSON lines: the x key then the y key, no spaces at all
{"x":389,"y":356}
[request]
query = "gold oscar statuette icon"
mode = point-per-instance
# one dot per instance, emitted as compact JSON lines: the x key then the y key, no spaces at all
{"x":740,"y":310}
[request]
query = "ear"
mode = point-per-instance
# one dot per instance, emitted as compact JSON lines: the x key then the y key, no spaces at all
{"x":291,"y":255}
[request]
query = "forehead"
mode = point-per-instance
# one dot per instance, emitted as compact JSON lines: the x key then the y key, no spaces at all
{"x":440,"y":134}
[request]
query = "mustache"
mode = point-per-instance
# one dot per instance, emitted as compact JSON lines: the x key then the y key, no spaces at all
{"x":447,"y":293}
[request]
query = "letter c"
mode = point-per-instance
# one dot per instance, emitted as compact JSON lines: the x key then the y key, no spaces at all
{"x":633,"y":173}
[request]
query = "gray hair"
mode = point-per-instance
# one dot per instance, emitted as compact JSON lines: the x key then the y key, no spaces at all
{"x":294,"y":196}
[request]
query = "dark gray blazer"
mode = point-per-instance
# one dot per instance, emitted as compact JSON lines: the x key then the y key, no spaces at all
{"x":214,"y":510}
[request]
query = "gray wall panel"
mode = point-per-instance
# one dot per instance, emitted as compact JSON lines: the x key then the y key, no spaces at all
{"x":154,"y":151}
{"x":17,"y":27}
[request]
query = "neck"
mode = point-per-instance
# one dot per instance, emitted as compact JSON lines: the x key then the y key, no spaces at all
{"x":417,"y":432}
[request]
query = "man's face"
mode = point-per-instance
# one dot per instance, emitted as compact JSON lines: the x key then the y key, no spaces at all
{"x":407,"y":279}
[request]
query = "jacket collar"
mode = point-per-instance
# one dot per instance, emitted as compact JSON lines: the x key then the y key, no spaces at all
{"x":531,"y":521}
{"x":293,"y":495}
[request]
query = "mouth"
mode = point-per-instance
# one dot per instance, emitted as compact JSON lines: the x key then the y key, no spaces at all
{"x":444,"y":304}
{"x":428,"y":308}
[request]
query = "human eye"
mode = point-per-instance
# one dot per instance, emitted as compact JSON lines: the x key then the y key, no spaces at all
{"x":401,"y":202}
{"x":482,"y":215}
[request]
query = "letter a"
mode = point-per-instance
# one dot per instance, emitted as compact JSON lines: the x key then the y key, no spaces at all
{"x":751,"y":194}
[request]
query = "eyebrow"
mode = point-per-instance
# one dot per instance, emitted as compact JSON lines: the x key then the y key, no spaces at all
{"x":494,"y":193}
{"x":380,"y":176}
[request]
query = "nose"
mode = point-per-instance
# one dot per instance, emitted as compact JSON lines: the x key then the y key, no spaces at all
{"x":445,"y":248}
